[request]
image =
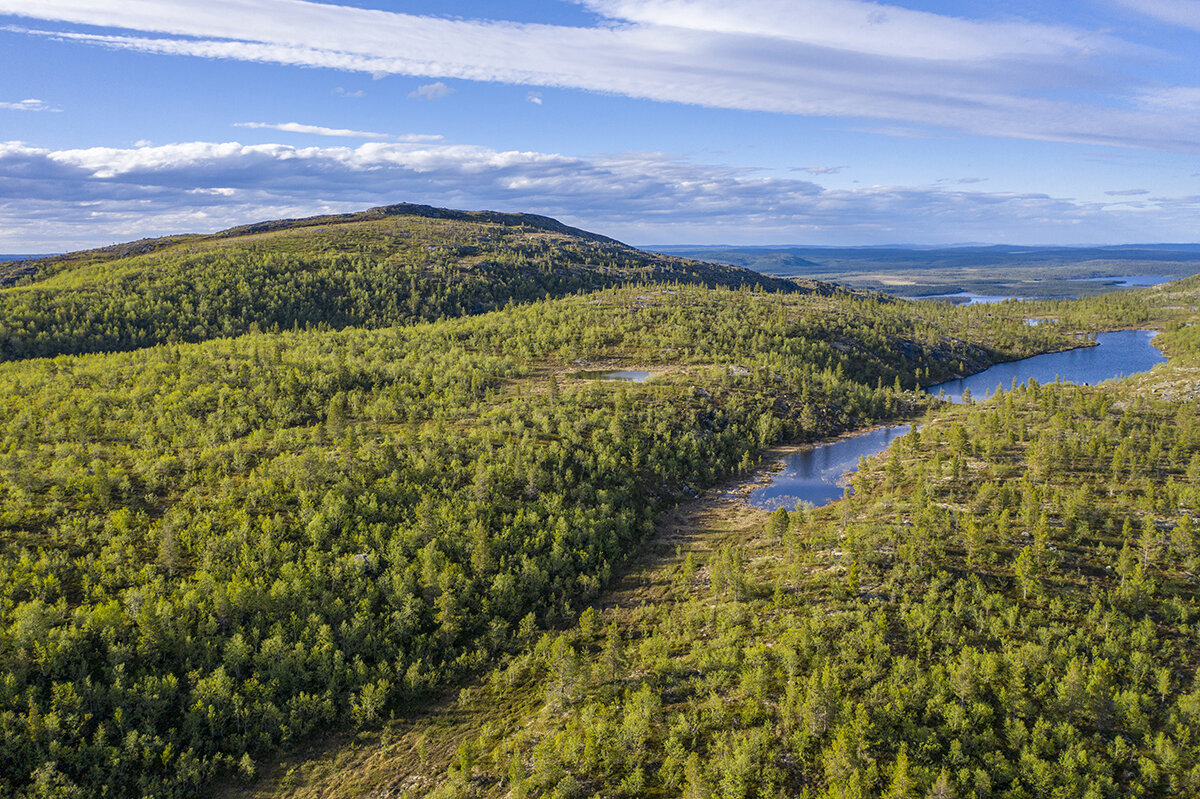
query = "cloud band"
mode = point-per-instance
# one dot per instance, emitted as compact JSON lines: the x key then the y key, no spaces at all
{"x":64,"y":199}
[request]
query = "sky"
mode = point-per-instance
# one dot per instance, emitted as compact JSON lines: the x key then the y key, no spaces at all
{"x":751,"y":122}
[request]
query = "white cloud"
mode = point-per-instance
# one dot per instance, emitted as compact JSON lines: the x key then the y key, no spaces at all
{"x":837,"y":58}
{"x":431,"y":91}
{"x":60,"y":199}
{"x":819,"y":170}
{"x":315,"y":130}
{"x":1172,"y":98}
{"x":344,"y":92}
{"x":27,"y":105}
{"x":1185,"y":13}
{"x":320,"y":130}
{"x":534,"y":97}
{"x":1126,"y":192}
{"x":859,"y":27}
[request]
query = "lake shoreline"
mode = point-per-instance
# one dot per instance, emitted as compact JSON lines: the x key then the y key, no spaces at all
{"x":817,"y":472}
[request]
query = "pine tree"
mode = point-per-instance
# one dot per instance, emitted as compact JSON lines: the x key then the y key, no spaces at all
{"x":902,"y":784}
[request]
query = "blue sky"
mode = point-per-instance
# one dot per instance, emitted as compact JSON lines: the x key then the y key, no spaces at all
{"x":654,"y":121}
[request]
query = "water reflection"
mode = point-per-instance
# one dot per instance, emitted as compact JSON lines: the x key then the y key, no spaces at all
{"x":1130,"y":281}
{"x":969,"y":298}
{"x":818,"y":475}
{"x":627,"y":374}
{"x":1119,"y":354}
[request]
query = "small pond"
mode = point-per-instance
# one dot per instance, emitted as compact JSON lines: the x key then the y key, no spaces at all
{"x":627,"y":375}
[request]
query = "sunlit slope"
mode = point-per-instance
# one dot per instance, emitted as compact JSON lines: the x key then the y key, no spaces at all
{"x":1005,"y":607}
{"x":386,"y":266}
{"x":210,"y":551}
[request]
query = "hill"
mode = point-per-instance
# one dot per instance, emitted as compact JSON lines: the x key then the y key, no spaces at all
{"x":385,"y":266}
{"x":211,"y":552}
{"x":1005,"y":607}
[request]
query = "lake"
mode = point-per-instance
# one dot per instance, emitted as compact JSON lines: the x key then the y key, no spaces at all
{"x":1117,"y":281}
{"x":1130,"y":281}
{"x":1119,"y":354}
{"x":970,"y":297}
{"x":817,"y":475}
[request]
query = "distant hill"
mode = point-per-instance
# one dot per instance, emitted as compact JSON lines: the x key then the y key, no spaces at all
{"x":771,"y":261}
{"x":1180,"y":247}
{"x":821,"y":259}
{"x":384,"y":266}
{"x":15,"y":267}
{"x":998,"y":270}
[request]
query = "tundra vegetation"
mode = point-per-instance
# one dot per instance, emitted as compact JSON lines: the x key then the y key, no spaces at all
{"x":387,"y":266}
{"x":1005,"y":607}
{"x":211,"y":552}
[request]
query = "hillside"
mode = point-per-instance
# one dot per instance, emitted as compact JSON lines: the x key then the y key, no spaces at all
{"x":212,"y":552}
{"x":1005,"y":607}
{"x":386,"y":266}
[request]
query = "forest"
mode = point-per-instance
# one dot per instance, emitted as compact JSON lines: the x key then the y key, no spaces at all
{"x":378,"y":268}
{"x":1006,"y":606}
{"x":213,"y":552}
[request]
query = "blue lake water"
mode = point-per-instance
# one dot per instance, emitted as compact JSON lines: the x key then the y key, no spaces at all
{"x":1118,"y":281}
{"x":1118,"y":354}
{"x":817,"y":475}
{"x":1130,"y":281}
{"x":970,"y":297}
{"x":627,"y":374}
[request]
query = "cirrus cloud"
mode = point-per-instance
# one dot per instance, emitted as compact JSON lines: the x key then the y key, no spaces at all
{"x":315,"y":130}
{"x":1184,"y":13}
{"x":833,"y":58}
{"x":342,"y":133}
{"x":819,"y":170}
